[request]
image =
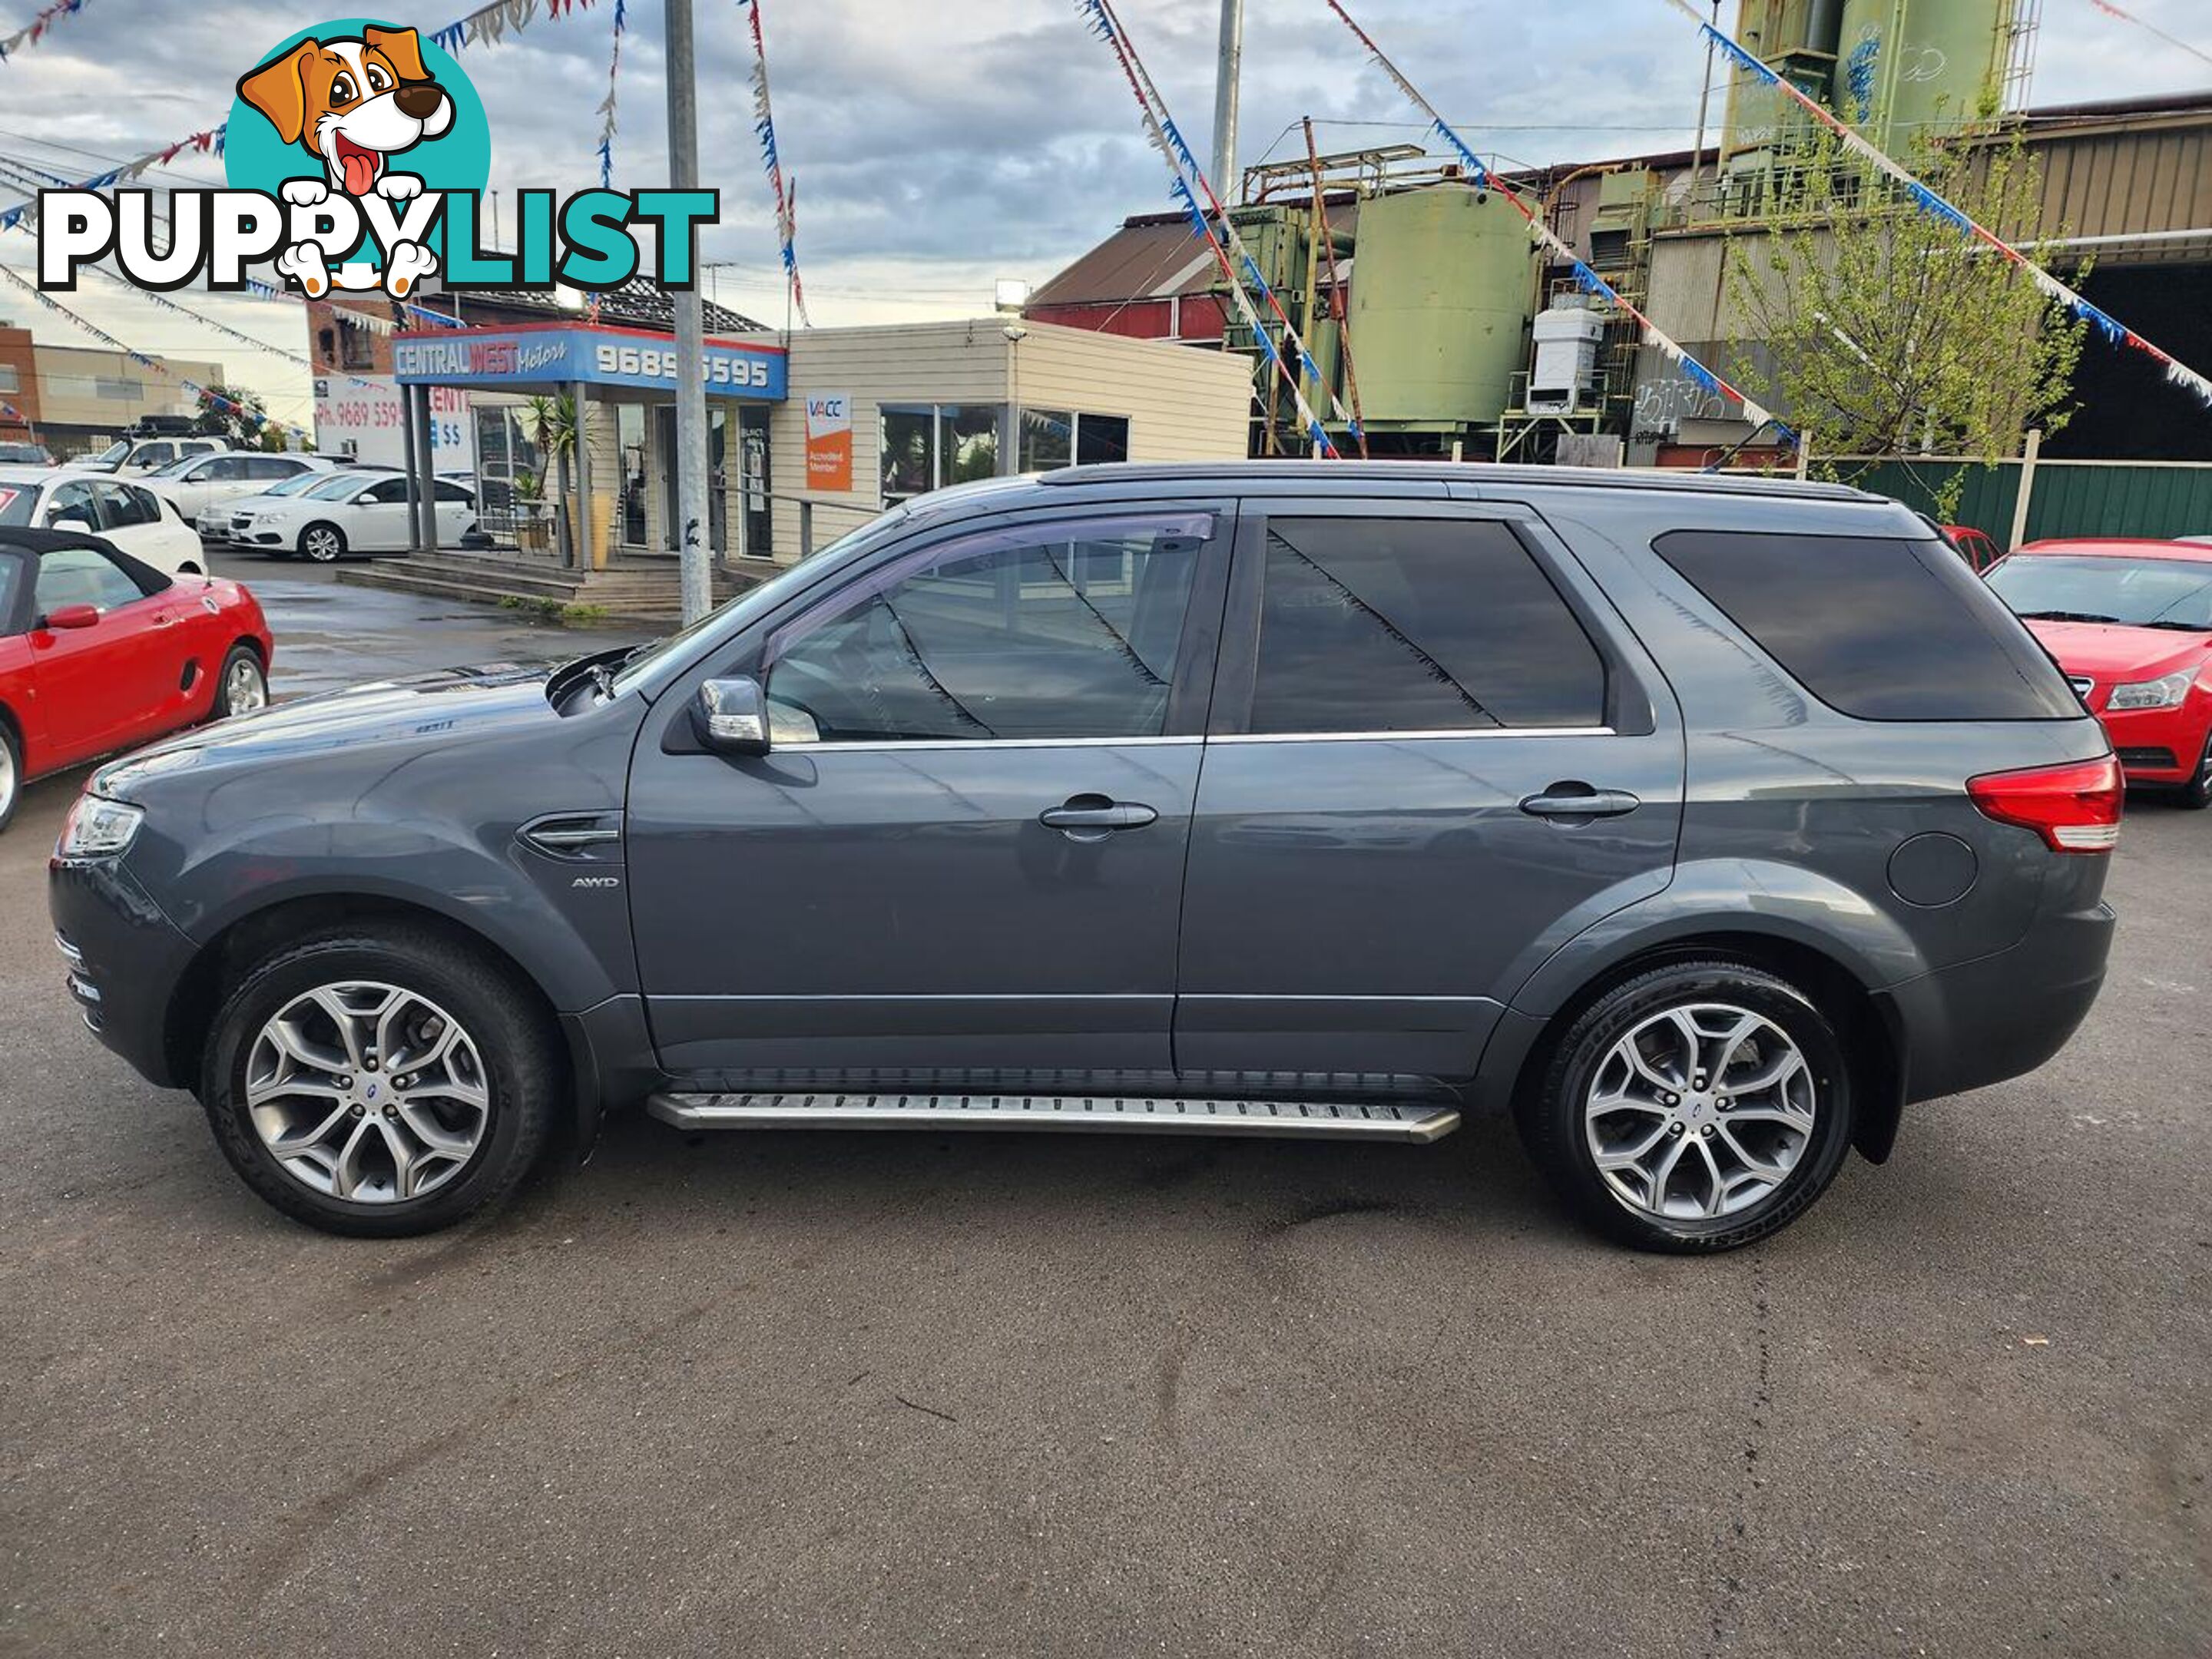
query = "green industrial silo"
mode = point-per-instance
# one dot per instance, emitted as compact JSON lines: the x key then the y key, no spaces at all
{"x":1441,"y":291}
{"x":1905,"y":67}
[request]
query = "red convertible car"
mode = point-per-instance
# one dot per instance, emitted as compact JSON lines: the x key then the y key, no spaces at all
{"x":2130,"y":622}
{"x":99,"y":652}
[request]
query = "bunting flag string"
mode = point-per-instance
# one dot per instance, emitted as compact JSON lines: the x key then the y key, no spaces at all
{"x":2114,"y":331}
{"x":227,"y":406}
{"x":239,"y":335}
{"x":209,"y":143}
{"x":1103,"y":23}
{"x":1585,"y":279}
{"x":2111,"y":10}
{"x":35,"y":31}
{"x":486,"y":25}
{"x":606,"y":151}
{"x":10,"y":412}
{"x":1238,"y":251}
{"x":787,"y":196}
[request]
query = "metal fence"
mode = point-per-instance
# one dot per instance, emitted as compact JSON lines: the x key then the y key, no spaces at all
{"x":2160,"y":498}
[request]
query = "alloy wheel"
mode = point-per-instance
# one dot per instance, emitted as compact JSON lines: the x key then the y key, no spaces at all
{"x":321,"y":545}
{"x":368,"y":1092}
{"x":245,"y":688}
{"x":1700,"y":1111}
{"x":9,"y":781}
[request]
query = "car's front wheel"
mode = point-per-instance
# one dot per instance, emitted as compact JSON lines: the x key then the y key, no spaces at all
{"x":326,"y":544}
{"x":1695,"y":1108}
{"x":380,"y":1081}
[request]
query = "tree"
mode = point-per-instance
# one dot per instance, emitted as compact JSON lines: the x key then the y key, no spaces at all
{"x":550,"y":423}
{"x":233,"y":412}
{"x":1881,"y":329}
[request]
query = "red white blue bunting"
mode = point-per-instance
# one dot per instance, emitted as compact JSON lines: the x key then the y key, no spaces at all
{"x":1586,"y":279}
{"x":225,"y":405}
{"x":35,"y":31}
{"x":1182,"y":170}
{"x":2111,"y":329}
{"x":787,"y":195}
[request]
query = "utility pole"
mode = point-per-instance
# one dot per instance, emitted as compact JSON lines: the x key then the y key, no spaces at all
{"x":1224,"y":101}
{"x":690,"y":457}
{"x":1704,"y":106}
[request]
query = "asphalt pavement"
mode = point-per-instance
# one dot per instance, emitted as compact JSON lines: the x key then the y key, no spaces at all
{"x":902,"y":1394}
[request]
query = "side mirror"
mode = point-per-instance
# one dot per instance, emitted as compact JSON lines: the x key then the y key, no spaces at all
{"x":731,"y":717}
{"x":71,"y":521}
{"x":73,"y":616}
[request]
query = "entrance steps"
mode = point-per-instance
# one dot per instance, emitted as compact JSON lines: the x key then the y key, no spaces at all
{"x":1348,"y":1120}
{"x":644,"y":591}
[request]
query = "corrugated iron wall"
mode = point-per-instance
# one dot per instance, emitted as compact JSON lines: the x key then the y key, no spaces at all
{"x":2069,"y":498}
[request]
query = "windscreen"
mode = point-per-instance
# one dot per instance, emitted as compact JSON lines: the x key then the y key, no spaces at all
{"x":2175,"y":593}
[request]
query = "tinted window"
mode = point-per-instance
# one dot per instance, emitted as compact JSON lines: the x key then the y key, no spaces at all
{"x":1003,"y":636}
{"x":272,"y":466}
{"x":450,"y":492}
{"x":1415,"y":625}
{"x":18,"y":501}
{"x":391,"y":489}
{"x":78,"y":576}
{"x":1881,"y":630}
{"x":11,"y":582}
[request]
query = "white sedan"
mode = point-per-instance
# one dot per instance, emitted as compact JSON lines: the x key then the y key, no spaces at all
{"x":225,"y":523}
{"x":130,"y":515}
{"x":203,"y":485}
{"x":348,"y":512}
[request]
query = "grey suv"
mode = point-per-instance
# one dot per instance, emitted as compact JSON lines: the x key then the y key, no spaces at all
{"x":1702,"y":824}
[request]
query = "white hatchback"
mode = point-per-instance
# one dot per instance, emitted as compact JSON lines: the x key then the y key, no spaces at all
{"x":348,"y":512}
{"x":203,"y":485}
{"x":130,"y":515}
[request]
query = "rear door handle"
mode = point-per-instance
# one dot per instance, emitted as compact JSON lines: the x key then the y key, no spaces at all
{"x":1575,"y":799}
{"x":1089,"y":818}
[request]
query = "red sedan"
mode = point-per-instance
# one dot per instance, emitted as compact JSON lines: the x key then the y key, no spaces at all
{"x":99,"y":652}
{"x":2130,"y":622}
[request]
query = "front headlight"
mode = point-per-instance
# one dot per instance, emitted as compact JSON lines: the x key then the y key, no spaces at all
{"x":98,"y":829}
{"x":2162,"y":693}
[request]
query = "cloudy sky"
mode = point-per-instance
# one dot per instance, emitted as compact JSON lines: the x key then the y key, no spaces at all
{"x":935,"y":147}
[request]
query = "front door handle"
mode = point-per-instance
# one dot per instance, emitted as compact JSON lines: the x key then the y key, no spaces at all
{"x":1575,"y":799}
{"x":1092,"y":817}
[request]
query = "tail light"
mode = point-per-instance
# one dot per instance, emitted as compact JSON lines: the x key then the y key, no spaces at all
{"x":2075,"y":807}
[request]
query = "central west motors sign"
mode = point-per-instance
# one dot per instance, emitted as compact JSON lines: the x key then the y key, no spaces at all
{"x":516,"y":358}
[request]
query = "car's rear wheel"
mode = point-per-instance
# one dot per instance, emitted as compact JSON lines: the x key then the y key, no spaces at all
{"x":244,"y":687}
{"x":11,"y":773}
{"x":1695,"y":1108}
{"x":380,"y":1082}
{"x":326,"y":544}
{"x":2196,"y":793}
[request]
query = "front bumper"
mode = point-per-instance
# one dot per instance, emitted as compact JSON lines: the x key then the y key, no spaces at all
{"x":123,"y":958}
{"x":2162,"y":745}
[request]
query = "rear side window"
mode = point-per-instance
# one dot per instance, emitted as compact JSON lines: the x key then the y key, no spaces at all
{"x":1877,"y":630}
{"x":1376,"y":624}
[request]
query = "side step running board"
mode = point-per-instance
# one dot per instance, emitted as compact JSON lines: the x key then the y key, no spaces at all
{"x":1421,"y":1120}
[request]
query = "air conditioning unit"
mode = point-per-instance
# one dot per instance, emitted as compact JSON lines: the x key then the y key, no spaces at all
{"x":1563,"y":380}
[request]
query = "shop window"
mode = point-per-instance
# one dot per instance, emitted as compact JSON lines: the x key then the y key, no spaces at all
{"x":928,"y":446}
{"x":1101,"y":438}
{"x":1047,"y":440}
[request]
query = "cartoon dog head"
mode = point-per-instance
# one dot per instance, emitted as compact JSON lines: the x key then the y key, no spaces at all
{"x":352,"y":101}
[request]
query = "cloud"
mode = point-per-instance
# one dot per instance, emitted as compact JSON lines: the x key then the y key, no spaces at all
{"x":936,"y":147}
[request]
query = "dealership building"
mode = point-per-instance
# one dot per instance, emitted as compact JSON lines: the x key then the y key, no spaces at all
{"x":812,"y":433}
